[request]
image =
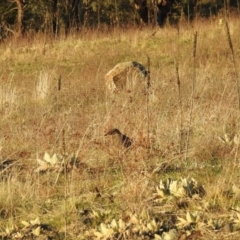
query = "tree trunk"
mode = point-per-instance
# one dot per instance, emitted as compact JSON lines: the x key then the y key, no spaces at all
{"x":19,"y":18}
{"x":71,"y":15}
{"x":55,"y":27}
{"x":76,"y":18}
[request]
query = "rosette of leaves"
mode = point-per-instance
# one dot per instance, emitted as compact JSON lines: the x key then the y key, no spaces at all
{"x":216,"y":224}
{"x":232,"y":141}
{"x":196,"y":222}
{"x":234,"y":222}
{"x":182,"y":188}
{"x":33,"y":229}
{"x":234,"y":191}
{"x":98,"y":217}
{"x":135,"y":226}
{"x":193,"y":220}
{"x":58,"y":162}
{"x":226,"y":139}
{"x":48,"y":162}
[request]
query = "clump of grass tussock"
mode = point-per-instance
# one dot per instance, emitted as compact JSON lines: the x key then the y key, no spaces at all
{"x":8,"y":96}
{"x":72,"y":117}
{"x":42,"y":86}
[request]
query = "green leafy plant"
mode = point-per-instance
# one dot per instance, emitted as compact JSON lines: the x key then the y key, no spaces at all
{"x":49,"y":163}
{"x":184,"y":187}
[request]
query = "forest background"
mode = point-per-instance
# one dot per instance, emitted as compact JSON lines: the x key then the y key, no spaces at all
{"x":21,"y":17}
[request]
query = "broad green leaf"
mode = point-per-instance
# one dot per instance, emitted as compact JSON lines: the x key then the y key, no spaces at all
{"x":36,"y":231}
{"x":160,"y":192}
{"x":171,"y":235}
{"x":182,"y":222}
{"x":144,"y":215}
{"x":122,"y":224}
{"x":173,"y":187}
{"x":52,"y":160}
{"x":43,"y":166}
{"x":114,"y":224}
{"x":236,"y":139}
{"x":25,"y":223}
{"x":157,"y":237}
{"x":152,"y":225}
{"x":106,"y":231}
{"x":18,"y":235}
{"x":8,"y":231}
{"x":190,"y":217}
{"x":42,"y":163}
{"x":134,"y":219}
{"x":35,"y":221}
{"x":180,"y":192}
{"x":227,"y":139}
{"x":98,"y":235}
{"x":46,"y":157}
{"x":95,"y":214}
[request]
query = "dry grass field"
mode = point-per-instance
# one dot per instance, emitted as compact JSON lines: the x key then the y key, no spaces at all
{"x":61,"y":178}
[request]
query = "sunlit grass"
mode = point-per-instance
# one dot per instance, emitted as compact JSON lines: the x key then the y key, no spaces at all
{"x":53,"y":99}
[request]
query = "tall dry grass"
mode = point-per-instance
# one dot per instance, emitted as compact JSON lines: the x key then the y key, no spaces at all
{"x":38,"y":116}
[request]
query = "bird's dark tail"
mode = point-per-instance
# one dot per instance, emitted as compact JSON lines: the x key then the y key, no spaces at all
{"x":142,"y":69}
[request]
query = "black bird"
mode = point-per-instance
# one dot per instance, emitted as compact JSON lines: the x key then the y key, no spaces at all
{"x":124,"y":140}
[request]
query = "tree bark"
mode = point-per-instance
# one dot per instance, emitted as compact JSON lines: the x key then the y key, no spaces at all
{"x":55,"y":17}
{"x":20,"y":14}
{"x":75,"y":10}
